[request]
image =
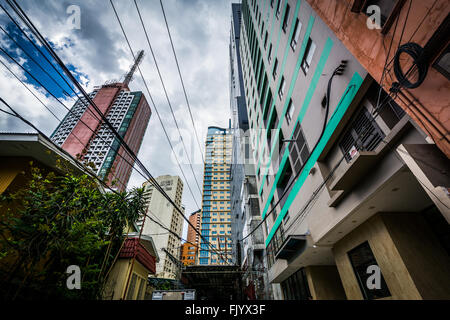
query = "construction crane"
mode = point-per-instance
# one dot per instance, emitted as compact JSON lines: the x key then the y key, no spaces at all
{"x":129,"y":75}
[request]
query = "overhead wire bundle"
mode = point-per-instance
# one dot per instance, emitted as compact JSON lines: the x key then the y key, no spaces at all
{"x":53,"y":54}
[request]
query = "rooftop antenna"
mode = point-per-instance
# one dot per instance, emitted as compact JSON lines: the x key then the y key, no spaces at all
{"x":129,"y":75}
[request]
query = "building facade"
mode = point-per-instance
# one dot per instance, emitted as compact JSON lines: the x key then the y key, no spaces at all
{"x":160,"y":210}
{"x":216,"y":221}
{"x":189,"y":249}
{"x":84,"y":135}
{"x":424,"y":23}
{"x":249,"y":252}
{"x":349,"y":185}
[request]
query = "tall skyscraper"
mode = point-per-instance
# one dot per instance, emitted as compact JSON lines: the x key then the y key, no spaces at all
{"x":337,"y":159}
{"x":215,"y":225}
{"x":84,"y":135}
{"x":159,"y":209}
{"x":245,"y":210}
{"x":192,"y":234}
{"x":189,"y":249}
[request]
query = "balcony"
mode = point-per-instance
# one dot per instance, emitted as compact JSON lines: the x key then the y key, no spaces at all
{"x":294,"y":245}
{"x":363,"y":161}
{"x":253,"y":207}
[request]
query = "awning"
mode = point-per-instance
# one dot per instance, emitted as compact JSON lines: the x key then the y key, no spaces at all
{"x":293,"y":245}
{"x":132,"y":247}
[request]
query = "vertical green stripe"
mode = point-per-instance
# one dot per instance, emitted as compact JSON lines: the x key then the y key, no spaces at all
{"x":294,"y":78}
{"x":275,"y":94}
{"x":312,"y":88}
{"x":339,"y":112}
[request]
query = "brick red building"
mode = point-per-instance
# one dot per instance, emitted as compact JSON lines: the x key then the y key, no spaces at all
{"x":189,"y":249}
{"x":84,"y":135}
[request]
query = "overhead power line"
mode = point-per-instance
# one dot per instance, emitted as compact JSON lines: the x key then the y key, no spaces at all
{"x":164,"y":88}
{"x":156,"y":109}
{"x":82,"y":166}
{"x":44,"y":42}
{"x":57,"y":99}
{"x":181,"y":78}
{"x":62,"y":77}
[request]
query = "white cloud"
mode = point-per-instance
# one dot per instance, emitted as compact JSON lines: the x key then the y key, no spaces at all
{"x":200,"y":31}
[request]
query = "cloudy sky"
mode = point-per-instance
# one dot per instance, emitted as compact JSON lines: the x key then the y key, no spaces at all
{"x":97,"y":52}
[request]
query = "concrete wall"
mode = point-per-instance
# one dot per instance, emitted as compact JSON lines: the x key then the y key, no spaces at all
{"x":117,"y":280}
{"x":413,"y":264}
{"x":324,"y":283}
{"x":163,"y":212}
{"x":424,"y":257}
{"x":429,"y":105}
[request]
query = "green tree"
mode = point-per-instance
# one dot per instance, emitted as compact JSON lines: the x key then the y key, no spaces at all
{"x":59,"y":220}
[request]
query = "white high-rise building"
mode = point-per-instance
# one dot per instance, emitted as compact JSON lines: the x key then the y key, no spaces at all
{"x":161,"y":210}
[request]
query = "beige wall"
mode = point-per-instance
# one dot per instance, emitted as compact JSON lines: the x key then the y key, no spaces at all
{"x":324,"y":283}
{"x":411,"y":260}
{"x":160,"y":210}
{"x":118,"y":276}
{"x":426,"y":260}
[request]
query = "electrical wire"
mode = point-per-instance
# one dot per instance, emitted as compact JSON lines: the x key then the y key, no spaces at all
{"x":35,"y":46}
{"x":129,"y":45}
{"x":35,"y":62}
{"x":44,"y":42}
{"x":181,"y":78}
{"x":48,"y":91}
{"x":18,"y":79}
{"x":156,"y":109}
{"x":291,"y":182}
{"x":164,"y":89}
{"x":57,"y":99}
{"x":80,"y":165}
{"x":83,"y":167}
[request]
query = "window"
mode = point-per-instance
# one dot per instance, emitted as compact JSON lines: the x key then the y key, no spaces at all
{"x":283,"y":182}
{"x":269,"y":101}
{"x":442,"y":64}
{"x":265,"y":40}
{"x":361,"y":258}
{"x":286,"y":17}
{"x":278,"y":9}
{"x":299,"y":152}
{"x":297,"y":28}
{"x":290,"y":111}
{"x":275,"y":66}
{"x":274,"y":212}
{"x":269,"y":57}
{"x":307,"y":58}
{"x":131,"y":287}
{"x":280,"y":144}
{"x":273,"y":123}
{"x":296,"y":286}
{"x":388,"y":109}
{"x":363,"y":133}
{"x":282,"y":86}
